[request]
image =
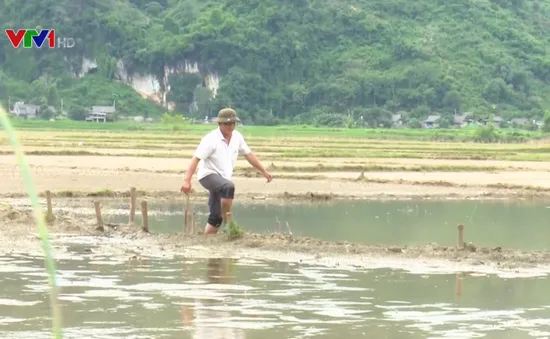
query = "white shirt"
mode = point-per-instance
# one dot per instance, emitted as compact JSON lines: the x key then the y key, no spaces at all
{"x":217,"y":156}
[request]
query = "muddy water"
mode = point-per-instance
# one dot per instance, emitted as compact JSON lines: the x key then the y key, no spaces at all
{"x":221,"y":298}
{"x":518,"y":225}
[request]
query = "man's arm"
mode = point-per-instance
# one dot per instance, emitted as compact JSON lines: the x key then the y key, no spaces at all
{"x":191,"y":169}
{"x":254,"y":161}
{"x":204,"y":150}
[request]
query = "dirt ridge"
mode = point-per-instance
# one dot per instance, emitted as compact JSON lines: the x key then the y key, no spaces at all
{"x":18,"y":224}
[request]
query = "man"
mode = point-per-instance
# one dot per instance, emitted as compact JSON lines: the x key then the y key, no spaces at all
{"x":216,"y":156}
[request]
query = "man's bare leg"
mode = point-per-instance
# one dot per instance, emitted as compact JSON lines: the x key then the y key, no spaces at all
{"x":209,"y":229}
{"x":226,"y":207}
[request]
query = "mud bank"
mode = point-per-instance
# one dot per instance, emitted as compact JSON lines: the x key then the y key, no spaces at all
{"x":375,"y":192}
{"x":103,"y":176}
{"x":320,"y":249}
{"x":129,"y":243}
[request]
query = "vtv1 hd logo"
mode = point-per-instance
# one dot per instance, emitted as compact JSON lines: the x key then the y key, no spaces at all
{"x":30,"y":37}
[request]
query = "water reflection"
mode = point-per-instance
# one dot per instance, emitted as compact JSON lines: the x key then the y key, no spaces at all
{"x":222,"y":298}
{"x":207,"y":317}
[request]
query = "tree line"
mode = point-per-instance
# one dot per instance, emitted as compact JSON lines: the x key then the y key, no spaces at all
{"x":295,"y":61}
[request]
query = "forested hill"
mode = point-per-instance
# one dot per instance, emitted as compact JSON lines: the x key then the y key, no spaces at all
{"x":285,"y":59}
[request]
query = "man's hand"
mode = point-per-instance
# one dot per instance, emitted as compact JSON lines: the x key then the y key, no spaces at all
{"x":253,"y":160}
{"x":186,"y":188}
{"x":268,"y":176}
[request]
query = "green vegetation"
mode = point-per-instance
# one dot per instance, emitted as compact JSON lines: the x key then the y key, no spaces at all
{"x":291,"y":62}
{"x":234,"y":231}
{"x":183,"y":130}
{"x":40,"y":222}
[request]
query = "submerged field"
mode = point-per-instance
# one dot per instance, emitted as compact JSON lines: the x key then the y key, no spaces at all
{"x":315,"y":164}
{"x":347,"y":162}
{"x":299,"y":281}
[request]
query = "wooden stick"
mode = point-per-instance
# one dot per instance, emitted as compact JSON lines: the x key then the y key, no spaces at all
{"x":461,"y":236}
{"x":277,"y":225}
{"x":49,"y":214}
{"x":458,"y":284}
{"x":133,"y":198}
{"x":145,"y":217}
{"x":98,"y":216}
{"x":228,"y":218}
{"x":187,"y":220}
{"x":225,"y":210}
{"x":193,"y":216}
{"x":288,"y":228}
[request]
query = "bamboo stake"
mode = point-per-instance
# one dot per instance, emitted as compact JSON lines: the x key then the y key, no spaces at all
{"x":133,"y":198}
{"x":98,"y":216}
{"x":50,"y":217}
{"x":187,"y":222}
{"x":145,"y":217}
{"x":461,"y":236}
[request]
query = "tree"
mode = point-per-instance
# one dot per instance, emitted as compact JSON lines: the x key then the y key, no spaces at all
{"x":546,"y":122}
{"x":278,"y":60}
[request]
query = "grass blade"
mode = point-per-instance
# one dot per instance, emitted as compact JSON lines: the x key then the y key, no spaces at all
{"x":40,"y":221}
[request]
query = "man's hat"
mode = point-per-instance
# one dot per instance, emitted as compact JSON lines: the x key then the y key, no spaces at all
{"x":228,"y":115}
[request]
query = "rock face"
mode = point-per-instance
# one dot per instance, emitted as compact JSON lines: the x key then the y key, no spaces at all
{"x":148,"y":85}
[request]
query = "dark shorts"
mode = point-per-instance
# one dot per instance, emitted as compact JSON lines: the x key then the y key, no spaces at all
{"x":218,"y":188}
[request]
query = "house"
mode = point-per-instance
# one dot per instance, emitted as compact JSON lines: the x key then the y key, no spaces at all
{"x":25,"y":111}
{"x":396,"y":120}
{"x":100,"y":113}
{"x":462,"y":120}
{"x":108,"y":110}
{"x":431,"y":122}
{"x":96,"y":117}
{"x":526,"y":123}
{"x":497,"y":121}
{"x":519,"y":121}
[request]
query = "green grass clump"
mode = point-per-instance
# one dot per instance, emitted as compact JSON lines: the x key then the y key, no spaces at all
{"x":234,"y":230}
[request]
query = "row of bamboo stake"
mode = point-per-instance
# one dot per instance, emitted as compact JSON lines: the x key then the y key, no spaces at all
{"x":189,"y":225}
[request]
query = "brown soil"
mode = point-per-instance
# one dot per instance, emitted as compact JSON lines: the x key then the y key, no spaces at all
{"x":471,"y":254}
{"x":91,"y":174}
{"x":162,"y":177}
{"x":18,"y":234}
{"x":20,"y":221}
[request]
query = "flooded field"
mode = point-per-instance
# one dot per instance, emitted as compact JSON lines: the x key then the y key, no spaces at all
{"x":221,"y":298}
{"x":520,"y":225}
{"x":130,"y":284}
